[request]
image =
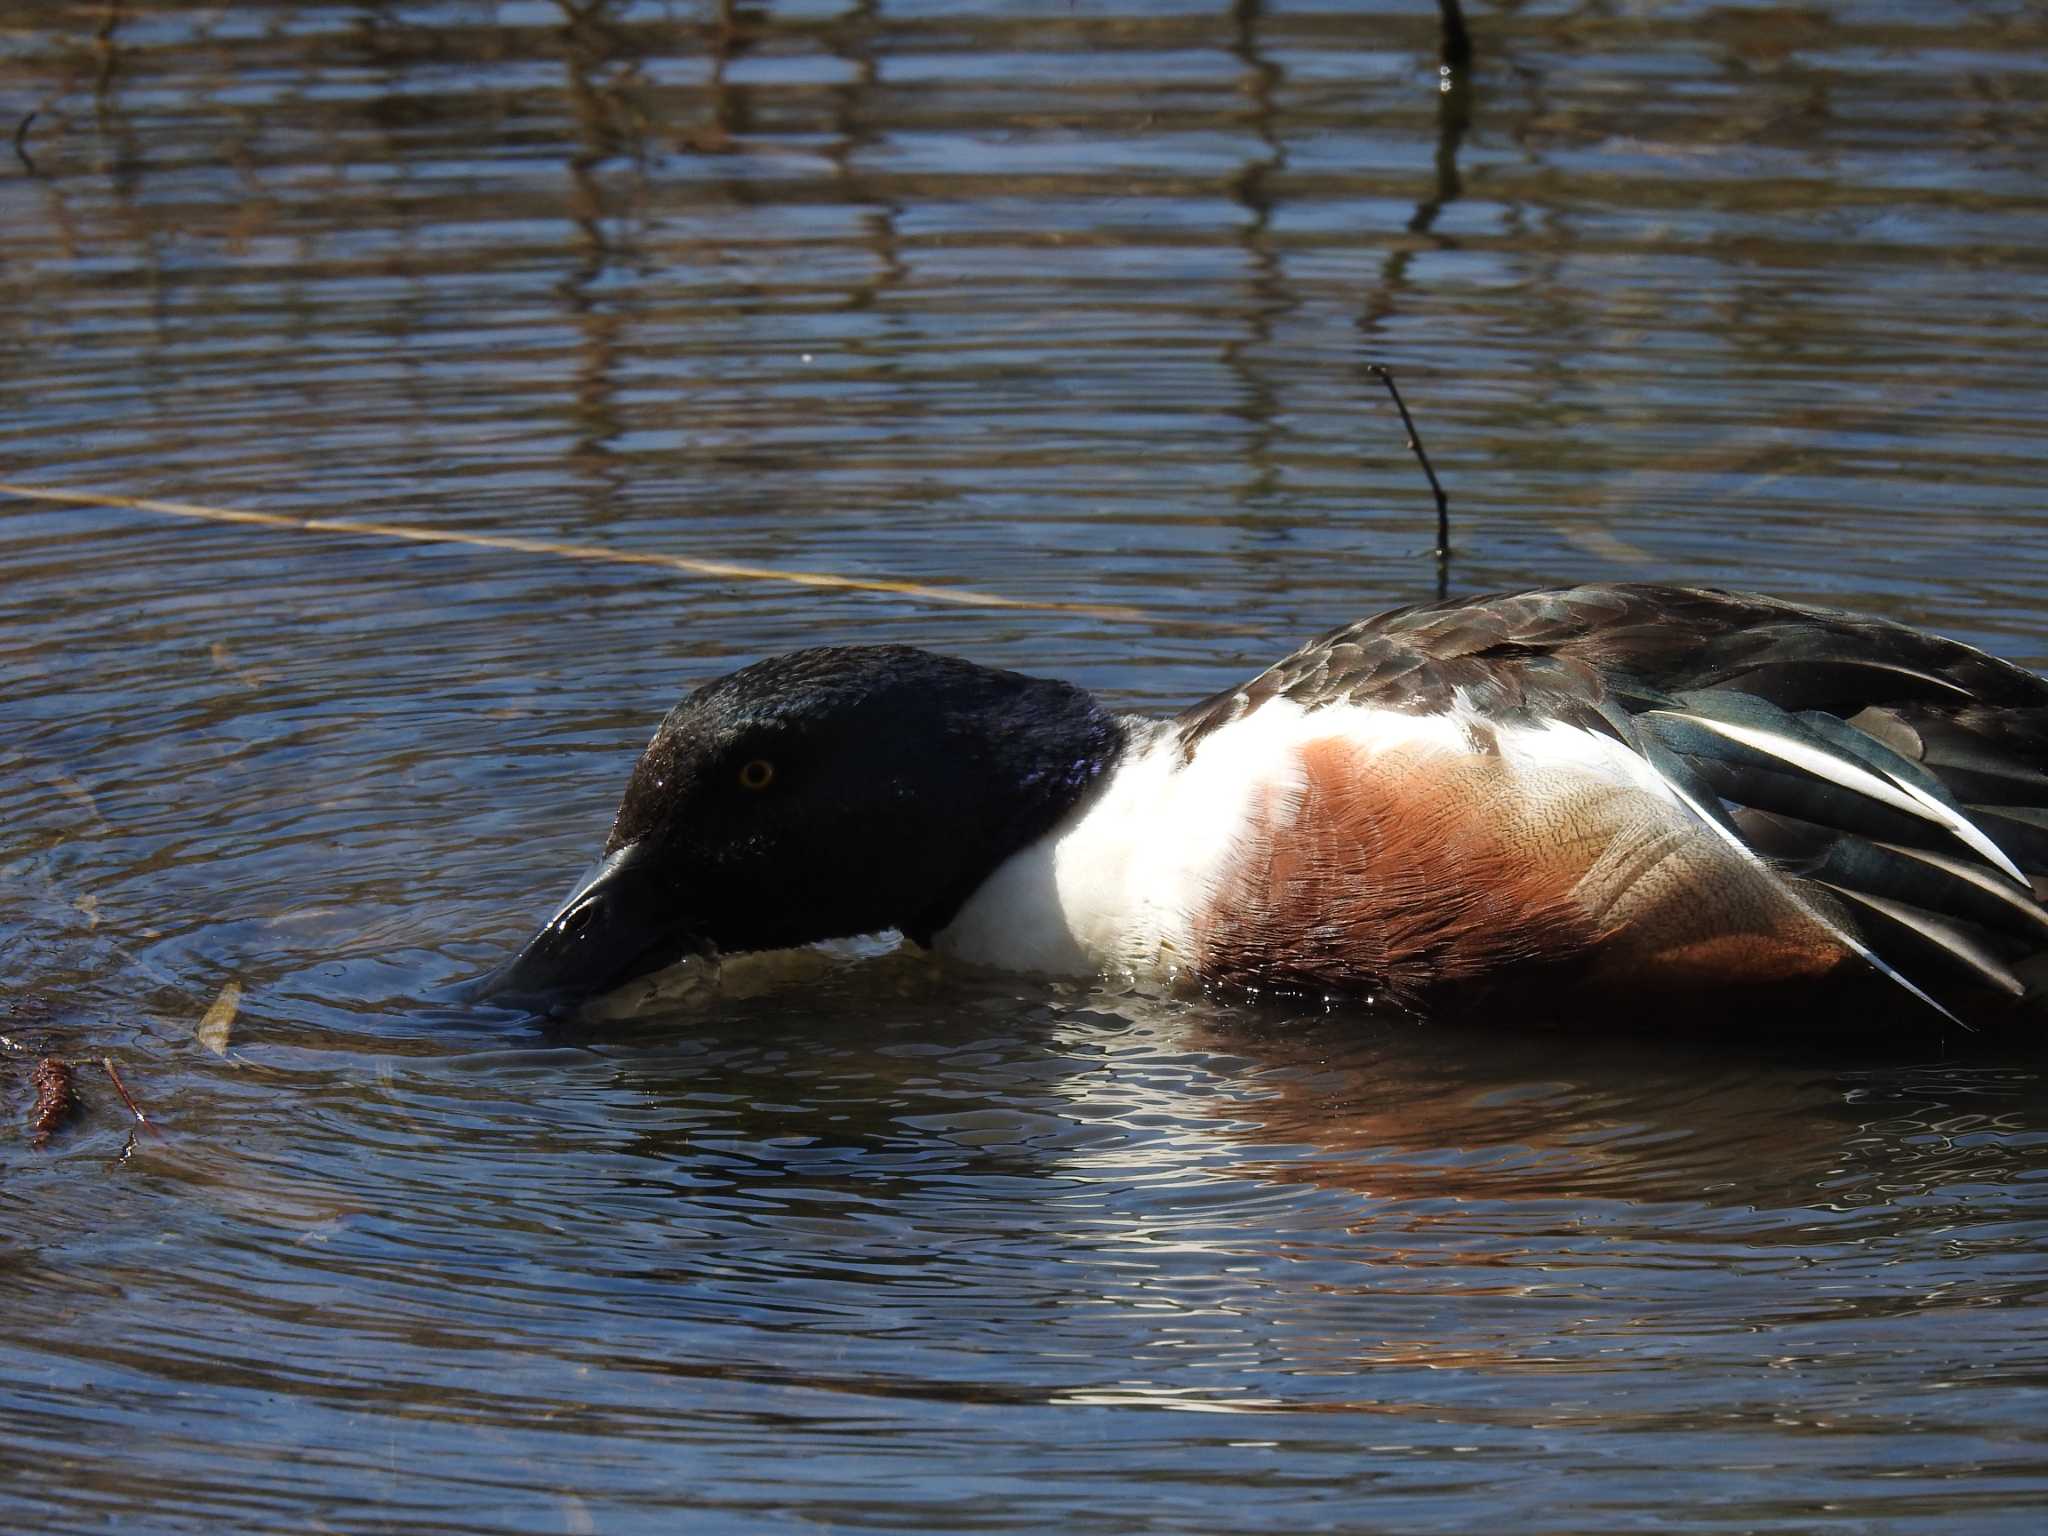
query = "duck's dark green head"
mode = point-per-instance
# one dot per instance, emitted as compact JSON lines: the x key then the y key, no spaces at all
{"x":817,"y":795}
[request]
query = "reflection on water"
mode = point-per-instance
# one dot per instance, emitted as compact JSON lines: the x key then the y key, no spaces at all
{"x":769,"y":1255}
{"x":1071,"y":304}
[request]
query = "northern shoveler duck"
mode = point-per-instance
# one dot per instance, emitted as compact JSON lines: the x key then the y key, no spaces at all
{"x":1658,"y":797}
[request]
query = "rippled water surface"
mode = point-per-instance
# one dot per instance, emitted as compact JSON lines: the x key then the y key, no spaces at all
{"x":1063,"y":304}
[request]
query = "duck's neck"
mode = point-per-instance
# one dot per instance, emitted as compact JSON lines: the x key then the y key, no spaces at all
{"x":1090,"y":893}
{"x":1027,"y":762}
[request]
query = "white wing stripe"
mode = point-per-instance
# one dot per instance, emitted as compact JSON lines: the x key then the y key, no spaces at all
{"x":1851,"y":776}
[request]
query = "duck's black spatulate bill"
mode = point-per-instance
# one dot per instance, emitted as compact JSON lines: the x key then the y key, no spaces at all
{"x":619,"y":923}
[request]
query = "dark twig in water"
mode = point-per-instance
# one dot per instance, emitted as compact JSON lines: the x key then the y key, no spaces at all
{"x":128,"y":1098}
{"x":1443,"y":503}
{"x":55,"y":1099}
{"x":21,"y":141}
{"x":1457,"y":48}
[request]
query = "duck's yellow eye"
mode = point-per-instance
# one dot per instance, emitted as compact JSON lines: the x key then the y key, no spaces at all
{"x":758,"y":774}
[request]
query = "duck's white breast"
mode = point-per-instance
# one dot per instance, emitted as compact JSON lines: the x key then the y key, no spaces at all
{"x":1121,"y":884}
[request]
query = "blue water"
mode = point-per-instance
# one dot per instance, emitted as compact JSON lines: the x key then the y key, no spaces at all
{"x":1067,"y":305}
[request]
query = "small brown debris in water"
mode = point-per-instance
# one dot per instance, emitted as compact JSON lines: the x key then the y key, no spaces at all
{"x":55,"y":1099}
{"x":249,"y":677}
{"x":128,"y":1098}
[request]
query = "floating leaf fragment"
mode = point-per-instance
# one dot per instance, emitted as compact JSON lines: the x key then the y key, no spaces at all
{"x":249,"y":677}
{"x":82,"y":798}
{"x":55,"y":1099}
{"x":219,"y":1019}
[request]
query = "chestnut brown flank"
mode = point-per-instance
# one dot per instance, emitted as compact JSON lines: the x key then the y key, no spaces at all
{"x":1413,"y":873}
{"x":1382,"y":880}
